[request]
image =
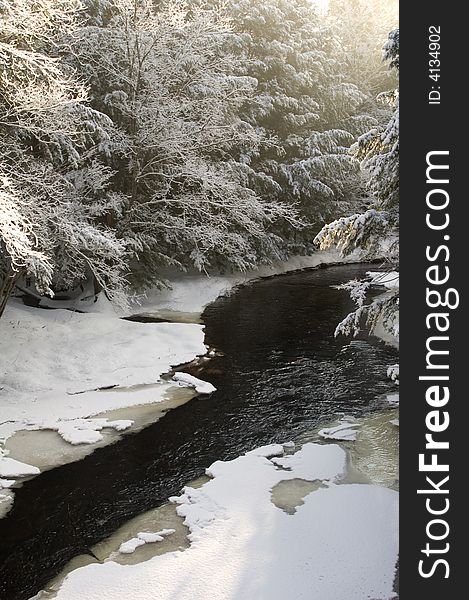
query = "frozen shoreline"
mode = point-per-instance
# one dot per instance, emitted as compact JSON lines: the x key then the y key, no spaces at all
{"x":62,"y":369}
{"x":390,"y":281}
{"x":189,"y":294}
{"x":242,"y":545}
{"x":242,"y":542}
{"x":56,"y":363}
{"x":371,"y":461}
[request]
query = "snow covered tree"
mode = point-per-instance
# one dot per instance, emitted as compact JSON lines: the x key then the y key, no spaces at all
{"x":361,"y":26}
{"x":166,"y":80}
{"x":49,"y":195}
{"x":138,"y":134}
{"x":301,"y":105}
{"x":376,"y":230}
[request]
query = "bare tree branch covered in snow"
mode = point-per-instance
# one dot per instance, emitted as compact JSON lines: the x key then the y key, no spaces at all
{"x":46,"y":226}
{"x":167,"y":82}
{"x":136,"y":135}
{"x":381,"y":309}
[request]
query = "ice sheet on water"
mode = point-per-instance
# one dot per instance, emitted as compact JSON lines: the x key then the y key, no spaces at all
{"x":345,"y":432}
{"x":9,"y":467}
{"x":237,"y":533}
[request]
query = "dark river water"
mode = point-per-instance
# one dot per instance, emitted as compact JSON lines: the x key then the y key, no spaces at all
{"x":282,"y":372}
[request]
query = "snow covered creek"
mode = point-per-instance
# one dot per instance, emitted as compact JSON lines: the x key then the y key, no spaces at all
{"x":280,"y":375}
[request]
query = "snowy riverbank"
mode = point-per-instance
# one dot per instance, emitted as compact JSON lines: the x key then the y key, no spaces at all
{"x":390,"y":282}
{"x":339,"y":541}
{"x":280,"y":521}
{"x":72,"y":382}
{"x":57,"y":364}
{"x":190,"y":293}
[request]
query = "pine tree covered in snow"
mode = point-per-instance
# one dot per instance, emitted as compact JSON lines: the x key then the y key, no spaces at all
{"x":361,"y":26}
{"x":49,"y":193}
{"x":166,"y":81}
{"x":301,"y":106}
{"x":138,"y":134}
{"x":376,"y":230}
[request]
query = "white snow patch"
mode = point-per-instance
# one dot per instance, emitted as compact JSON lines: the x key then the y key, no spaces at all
{"x":130,"y":546}
{"x":200,"y":386}
{"x":393,"y":373}
{"x":87,"y":431}
{"x":158,"y":536}
{"x":314,"y":462}
{"x":6,"y":483}
{"x":395,"y":422}
{"x":243,"y":546}
{"x":9,"y":467}
{"x":6,"y":502}
{"x":144,"y":537}
{"x":54,"y":361}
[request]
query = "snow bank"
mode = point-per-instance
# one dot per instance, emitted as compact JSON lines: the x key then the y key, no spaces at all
{"x":192,"y":292}
{"x":55,"y":361}
{"x":243,"y":546}
{"x":200,"y":386}
{"x":6,"y":502}
{"x":59,"y":368}
{"x":6,"y":483}
{"x":71,"y":353}
{"x":9,"y":467}
{"x":390,"y":281}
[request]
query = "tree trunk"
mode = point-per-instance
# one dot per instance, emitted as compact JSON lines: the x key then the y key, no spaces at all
{"x":7,"y":286}
{"x":97,"y":287}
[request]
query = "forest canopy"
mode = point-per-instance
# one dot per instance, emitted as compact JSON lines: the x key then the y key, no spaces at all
{"x":137,"y":135}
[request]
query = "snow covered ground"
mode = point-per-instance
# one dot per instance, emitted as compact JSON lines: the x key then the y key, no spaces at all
{"x":189,"y":294}
{"x":54,"y":364}
{"x":340,"y":543}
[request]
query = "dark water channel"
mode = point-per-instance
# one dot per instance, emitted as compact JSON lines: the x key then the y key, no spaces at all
{"x":282,"y":372}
